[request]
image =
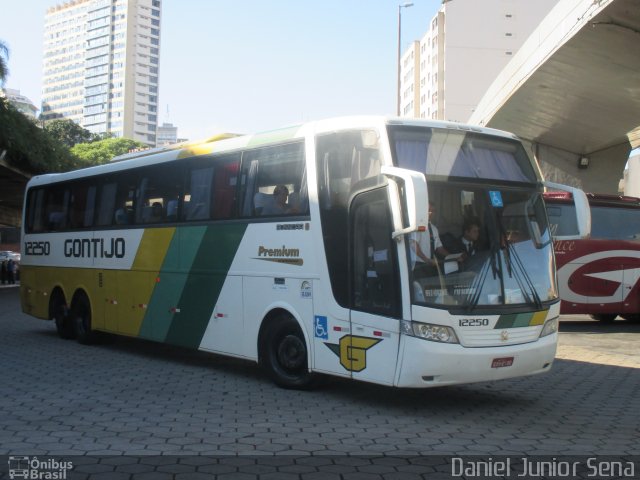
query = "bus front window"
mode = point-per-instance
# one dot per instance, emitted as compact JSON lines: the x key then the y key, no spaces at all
{"x":488,"y":242}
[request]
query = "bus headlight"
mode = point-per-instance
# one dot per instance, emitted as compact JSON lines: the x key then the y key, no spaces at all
{"x":429,"y":331}
{"x":551,"y":326}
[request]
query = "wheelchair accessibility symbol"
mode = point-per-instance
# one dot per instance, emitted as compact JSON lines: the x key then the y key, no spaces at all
{"x":320,"y":327}
{"x":496,"y":198}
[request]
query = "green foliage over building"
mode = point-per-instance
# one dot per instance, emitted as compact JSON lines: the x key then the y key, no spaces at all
{"x":27,"y":147}
{"x":102,"y":151}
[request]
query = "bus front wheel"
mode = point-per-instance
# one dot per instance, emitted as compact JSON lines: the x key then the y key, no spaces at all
{"x":81,"y":316}
{"x":285,"y":354}
{"x":604,"y":317}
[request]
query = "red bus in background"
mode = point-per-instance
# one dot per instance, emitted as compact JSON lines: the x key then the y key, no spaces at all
{"x":600,"y":275}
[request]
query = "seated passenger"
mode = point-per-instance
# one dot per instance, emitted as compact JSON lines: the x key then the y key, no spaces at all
{"x":279,"y":206}
{"x":467,"y":243}
{"x":427,"y":249}
{"x":157,"y":213}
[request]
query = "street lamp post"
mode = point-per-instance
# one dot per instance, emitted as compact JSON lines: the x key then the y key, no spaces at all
{"x":400,"y":7}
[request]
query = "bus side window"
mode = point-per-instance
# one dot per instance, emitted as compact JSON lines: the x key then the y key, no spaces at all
{"x":197,"y":197}
{"x":107,"y":203}
{"x":57,"y":209}
{"x":345,"y":161}
{"x":225,"y":181}
{"x":156,"y":188}
{"x":35,"y":211}
{"x":269,"y":170}
{"x":83,"y":196}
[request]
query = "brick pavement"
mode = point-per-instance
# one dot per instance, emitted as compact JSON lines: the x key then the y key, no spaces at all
{"x":134,"y":398}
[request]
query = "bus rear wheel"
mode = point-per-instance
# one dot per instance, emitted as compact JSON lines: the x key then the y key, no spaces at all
{"x":60,"y":316}
{"x":285,"y":355}
{"x":81,"y":316}
{"x":604,"y":317}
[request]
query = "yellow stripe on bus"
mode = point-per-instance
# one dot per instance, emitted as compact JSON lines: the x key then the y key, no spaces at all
{"x":539,"y":318}
{"x":153,"y":248}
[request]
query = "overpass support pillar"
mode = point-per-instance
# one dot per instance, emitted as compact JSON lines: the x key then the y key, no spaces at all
{"x":10,"y":217}
{"x":602,"y":175}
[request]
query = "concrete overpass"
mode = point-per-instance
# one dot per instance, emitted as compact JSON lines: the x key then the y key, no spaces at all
{"x":573,"y":92}
{"x":13,"y":182}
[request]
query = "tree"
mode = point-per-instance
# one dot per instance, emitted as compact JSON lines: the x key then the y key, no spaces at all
{"x":4,"y":59}
{"x":68,"y":132}
{"x":102,"y":151}
{"x":28,"y":147}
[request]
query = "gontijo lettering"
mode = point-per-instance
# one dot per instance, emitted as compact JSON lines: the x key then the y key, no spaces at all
{"x":95,"y":248}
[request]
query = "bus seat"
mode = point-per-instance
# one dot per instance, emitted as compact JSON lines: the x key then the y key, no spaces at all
{"x":121,"y":217}
{"x":294,"y":201}
{"x":146,"y":214}
{"x":198,"y":211}
{"x":262,"y":201}
{"x":172,"y":210}
{"x":56,"y":220}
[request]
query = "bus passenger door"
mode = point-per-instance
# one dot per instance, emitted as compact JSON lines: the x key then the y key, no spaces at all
{"x":372,"y":351}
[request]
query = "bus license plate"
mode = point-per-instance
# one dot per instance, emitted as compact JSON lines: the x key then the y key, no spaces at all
{"x":502,"y":362}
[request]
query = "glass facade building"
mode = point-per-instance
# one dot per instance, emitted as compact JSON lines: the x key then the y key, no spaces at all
{"x":101,"y":66}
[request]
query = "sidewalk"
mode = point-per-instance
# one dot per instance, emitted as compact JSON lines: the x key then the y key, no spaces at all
{"x":6,"y":285}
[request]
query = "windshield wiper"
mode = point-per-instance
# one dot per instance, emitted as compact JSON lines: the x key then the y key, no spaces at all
{"x":511,"y":253}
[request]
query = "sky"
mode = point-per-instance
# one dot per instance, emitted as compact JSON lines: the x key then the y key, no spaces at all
{"x":246,"y":66}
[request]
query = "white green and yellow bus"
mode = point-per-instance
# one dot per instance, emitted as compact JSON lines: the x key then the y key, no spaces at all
{"x":294,"y":248}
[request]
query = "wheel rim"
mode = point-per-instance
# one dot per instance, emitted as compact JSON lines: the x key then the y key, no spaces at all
{"x":291,"y":353}
{"x":82,"y":320}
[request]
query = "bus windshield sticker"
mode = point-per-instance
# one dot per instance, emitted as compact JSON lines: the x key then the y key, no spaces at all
{"x":496,"y":198}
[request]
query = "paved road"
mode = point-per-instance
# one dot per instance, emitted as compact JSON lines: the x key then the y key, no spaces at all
{"x":131,"y":397}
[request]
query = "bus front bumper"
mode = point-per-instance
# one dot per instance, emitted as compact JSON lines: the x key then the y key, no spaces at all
{"x":432,"y":364}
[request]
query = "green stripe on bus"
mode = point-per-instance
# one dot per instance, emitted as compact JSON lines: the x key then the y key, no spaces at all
{"x":171,"y":282}
{"x":514,"y":320}
{"x":203,"y":284}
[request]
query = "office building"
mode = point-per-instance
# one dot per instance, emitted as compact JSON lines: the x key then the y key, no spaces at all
{"x":20,"y":102}
{"x":167,"y":134}
{"x":101,"y":66}
{"x":468,"y":42}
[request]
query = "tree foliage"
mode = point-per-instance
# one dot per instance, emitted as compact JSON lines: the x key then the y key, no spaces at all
{"x":4,"y":60}
{"x":34,"y":150}
{"x":28,"y":147}
{"x":102,"y":151}
{"x":68,"y":132}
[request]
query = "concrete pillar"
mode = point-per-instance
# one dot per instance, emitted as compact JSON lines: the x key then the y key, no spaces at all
{"x":602,"y":175}
{"x":632,"y":177}
{"x":11,"y":217}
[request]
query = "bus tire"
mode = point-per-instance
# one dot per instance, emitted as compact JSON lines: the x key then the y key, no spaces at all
{"x":60,"y":315}
{"x":285,"y":355}
{"x":81,"y":316}
{"x":604,"y":317}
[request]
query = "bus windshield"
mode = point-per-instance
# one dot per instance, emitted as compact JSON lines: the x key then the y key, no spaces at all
{"x":488,"y":241}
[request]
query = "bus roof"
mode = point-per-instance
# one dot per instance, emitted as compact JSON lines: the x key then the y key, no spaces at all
{"x":230,"y":142}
